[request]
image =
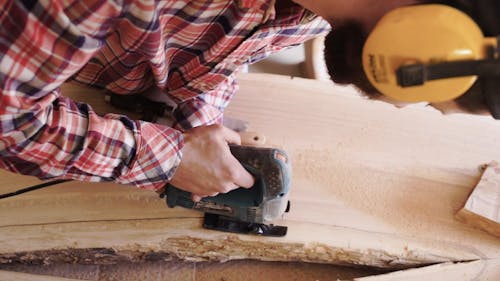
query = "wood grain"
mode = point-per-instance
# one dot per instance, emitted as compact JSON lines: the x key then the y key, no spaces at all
{"x":372,"y":185}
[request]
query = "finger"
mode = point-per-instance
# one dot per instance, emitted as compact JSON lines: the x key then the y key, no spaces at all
{"x":228,"y":187}
{"x":244,"y":178}
{"x":231,"y":136}
{"x":196,"y":198}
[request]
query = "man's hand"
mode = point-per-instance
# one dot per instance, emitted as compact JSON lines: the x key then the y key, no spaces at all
{"x":207,"y":166}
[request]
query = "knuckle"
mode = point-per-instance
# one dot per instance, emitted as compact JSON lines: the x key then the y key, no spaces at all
{"x":229,"y":187}
{"x":217,"y":127}
{"x":223,"y":189}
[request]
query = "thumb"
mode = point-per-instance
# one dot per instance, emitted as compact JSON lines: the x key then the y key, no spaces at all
{"x":231,"y":136}
{"x":195,"y":198}
{"x":245,"y":179}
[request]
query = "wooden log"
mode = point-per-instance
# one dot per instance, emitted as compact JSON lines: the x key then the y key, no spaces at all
{"x":482,"y":209}
{"x":372,"y":185}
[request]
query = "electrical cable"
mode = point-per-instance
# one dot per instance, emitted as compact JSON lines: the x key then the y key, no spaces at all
{"x":32,"y":188}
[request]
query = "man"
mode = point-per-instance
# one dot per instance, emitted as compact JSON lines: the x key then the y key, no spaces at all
{"x":345,"y":42}
{"x":191,"y":50}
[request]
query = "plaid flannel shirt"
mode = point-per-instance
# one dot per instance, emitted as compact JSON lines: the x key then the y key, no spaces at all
{"x":189,"y":49}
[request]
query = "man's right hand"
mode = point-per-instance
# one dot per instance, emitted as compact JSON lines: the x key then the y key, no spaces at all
{"x":207,"y":166}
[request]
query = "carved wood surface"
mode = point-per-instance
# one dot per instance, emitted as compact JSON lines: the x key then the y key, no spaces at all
{"x":372,"y":185}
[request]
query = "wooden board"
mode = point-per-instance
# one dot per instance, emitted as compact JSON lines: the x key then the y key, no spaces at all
{"x":482,"y":209}
{"x":372,"y":185}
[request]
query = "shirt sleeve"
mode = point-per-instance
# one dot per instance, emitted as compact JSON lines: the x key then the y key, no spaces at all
{"x":208,"y":107}
{"x":46,"y":135}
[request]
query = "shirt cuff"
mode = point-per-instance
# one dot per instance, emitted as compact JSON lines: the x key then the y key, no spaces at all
{"x":158,"y":156}
{"x":195,"y":113}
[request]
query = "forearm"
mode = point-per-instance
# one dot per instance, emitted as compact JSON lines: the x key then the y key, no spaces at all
{"x":61,"y":138}
{"x":46,"y":135}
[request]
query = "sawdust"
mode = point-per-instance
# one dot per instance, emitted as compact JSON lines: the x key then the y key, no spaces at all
{"x":422,"y":207}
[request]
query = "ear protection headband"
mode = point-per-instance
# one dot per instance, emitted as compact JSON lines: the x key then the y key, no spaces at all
{"x":430,"y":53}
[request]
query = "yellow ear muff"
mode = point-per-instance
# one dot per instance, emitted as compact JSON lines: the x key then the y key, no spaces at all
{"x":422,"y":34}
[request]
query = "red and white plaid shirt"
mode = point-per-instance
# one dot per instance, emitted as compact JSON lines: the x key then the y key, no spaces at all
{"x":189,"y":49}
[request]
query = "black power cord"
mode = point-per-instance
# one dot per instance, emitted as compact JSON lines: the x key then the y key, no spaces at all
{"x":32,"y":188}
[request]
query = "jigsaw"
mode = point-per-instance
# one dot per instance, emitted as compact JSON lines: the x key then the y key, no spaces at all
{"x":245,"y":210}
{"x":242,"y":210}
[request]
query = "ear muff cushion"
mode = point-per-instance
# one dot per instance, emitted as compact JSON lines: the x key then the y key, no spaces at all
{"x":491,"y":93}
{"x":487,"y":15}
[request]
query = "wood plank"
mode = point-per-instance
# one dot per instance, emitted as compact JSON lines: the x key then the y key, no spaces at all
{"x":482,"y":209}
{"x":486,"y":270}
{"x":372,"y":185}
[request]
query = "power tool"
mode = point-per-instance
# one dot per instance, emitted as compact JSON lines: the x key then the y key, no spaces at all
{"x":245,"y":210}
{"x":242,"y":210}
{"x":434,"y":53}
